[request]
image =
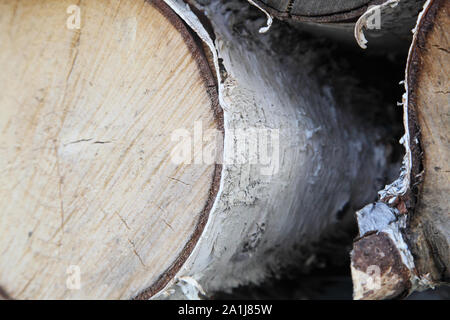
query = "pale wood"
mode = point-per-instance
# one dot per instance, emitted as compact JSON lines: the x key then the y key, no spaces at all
{"x":85,"y":139}
{"x":429,"y":93}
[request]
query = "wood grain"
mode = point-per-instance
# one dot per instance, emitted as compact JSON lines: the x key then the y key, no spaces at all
{"x":85,"y":143}
{"x":429,"y":97}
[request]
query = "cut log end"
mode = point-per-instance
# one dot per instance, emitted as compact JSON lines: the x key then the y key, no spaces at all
{"x":417,"y":203}
{"x":89,"y":186}
{"x":378,"y":271}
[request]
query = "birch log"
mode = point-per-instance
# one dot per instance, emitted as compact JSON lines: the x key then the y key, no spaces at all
{"x":95,"y":202}
{"x":404,"y":242}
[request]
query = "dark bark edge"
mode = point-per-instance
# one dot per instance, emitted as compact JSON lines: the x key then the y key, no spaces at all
{"x":197,"y":50}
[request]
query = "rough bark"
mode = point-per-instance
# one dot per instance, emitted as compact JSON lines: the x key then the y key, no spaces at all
{"x":411,"y":221}
{"x":385,"y":24}
{"x":86,"y":123}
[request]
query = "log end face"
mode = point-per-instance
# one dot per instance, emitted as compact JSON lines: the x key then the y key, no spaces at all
{"x":378,"y":271}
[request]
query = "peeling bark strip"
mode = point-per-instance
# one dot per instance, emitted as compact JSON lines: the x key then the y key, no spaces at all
{"x":428,"y":104}
{"x":414,"y":211}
